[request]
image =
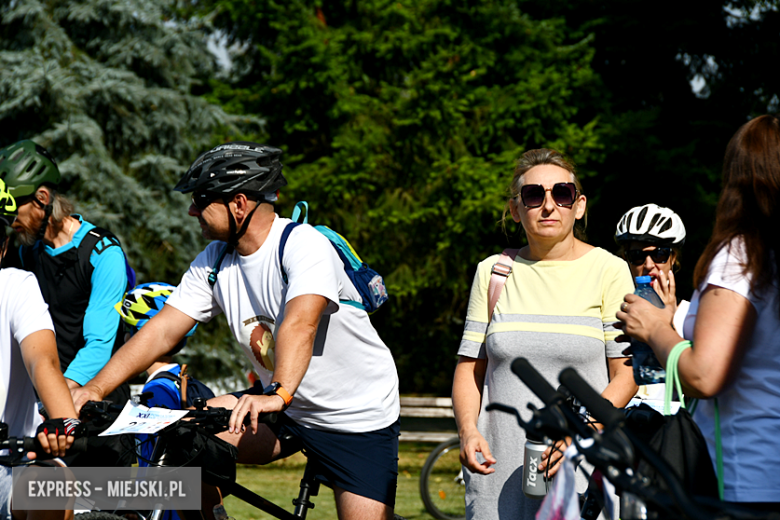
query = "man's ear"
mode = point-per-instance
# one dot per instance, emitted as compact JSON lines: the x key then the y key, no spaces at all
{"x":43,"y":195}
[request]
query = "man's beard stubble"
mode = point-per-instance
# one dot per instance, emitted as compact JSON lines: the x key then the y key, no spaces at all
{"x":26,"y":238}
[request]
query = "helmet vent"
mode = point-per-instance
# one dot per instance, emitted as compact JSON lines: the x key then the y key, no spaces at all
{"x":653,"y":220}
{"x":17,"y":154}
{"x":32,"y":165}
{"x":666,"y":225}
{"x":641,"y":217}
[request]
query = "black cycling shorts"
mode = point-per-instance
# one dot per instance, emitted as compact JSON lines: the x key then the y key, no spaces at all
{"x":365,"y":464}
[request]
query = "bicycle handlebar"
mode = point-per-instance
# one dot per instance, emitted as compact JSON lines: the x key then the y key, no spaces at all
{"x":18,"y":447}
{"x":599,"y":407}
{"x":534,"y":380}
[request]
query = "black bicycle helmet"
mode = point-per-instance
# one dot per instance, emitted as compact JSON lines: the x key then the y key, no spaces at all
{"x":240,"y":166}
{"x":652,"y":224}
{"x":25,"y":166}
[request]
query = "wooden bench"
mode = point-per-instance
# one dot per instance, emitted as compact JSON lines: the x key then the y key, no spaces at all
{"x":427,"y":419}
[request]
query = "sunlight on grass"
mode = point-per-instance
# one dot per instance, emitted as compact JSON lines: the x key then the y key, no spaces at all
{"x":278,"y":482}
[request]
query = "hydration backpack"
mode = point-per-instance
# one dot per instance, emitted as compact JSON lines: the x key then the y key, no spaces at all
{"x":189,"y":391}
{"x":368,"y":282}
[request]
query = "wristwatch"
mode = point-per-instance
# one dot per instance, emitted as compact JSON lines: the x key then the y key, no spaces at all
{"x":277,"y":389}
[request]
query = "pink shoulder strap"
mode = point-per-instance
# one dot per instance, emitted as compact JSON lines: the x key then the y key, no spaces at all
{"x":498,"y":275}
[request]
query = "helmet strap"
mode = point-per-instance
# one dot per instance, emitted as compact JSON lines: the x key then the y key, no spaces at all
{"x":47,"y":209}
{"x":234,"y":236}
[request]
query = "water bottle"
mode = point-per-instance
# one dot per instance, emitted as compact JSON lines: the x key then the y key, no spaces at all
{"x":647,"y":369}
{"x":534,"y":483}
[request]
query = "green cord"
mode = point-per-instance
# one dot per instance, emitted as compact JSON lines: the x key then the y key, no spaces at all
{"x":718,"y":450}
{"x":673,"y":377}
{"x":673,"y":380}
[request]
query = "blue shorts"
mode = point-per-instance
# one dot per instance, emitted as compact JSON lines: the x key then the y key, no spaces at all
{"x":365,"y":464}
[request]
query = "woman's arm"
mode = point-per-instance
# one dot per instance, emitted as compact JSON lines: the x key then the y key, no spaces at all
{"x":724,"y":325}
{"x":621,"y":387}
{"x":466,"y":403}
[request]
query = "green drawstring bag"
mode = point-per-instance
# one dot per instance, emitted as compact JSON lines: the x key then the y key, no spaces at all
{"x":673,"y":378}
{"x":677,"y":439}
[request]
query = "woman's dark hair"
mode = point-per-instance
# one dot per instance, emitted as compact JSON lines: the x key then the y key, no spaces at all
{"x":538,"y":157}
{"x":749,"y":205}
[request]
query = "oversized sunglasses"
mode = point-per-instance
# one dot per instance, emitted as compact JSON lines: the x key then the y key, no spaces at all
{"x":563,"y":194}
{"x":659,"y":255}
{"x":202,"y":199}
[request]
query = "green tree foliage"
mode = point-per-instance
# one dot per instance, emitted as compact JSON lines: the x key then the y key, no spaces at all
{"x":666,"y":142}
{"x":401,"y":123}
{"x":108,"y":87}
{"x":402,"y":120}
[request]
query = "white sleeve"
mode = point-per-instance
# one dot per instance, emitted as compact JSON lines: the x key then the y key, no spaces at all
{"x":726,"y":270}
{"x":194,"y":296}
{"x":312,"y":266}
{"x":30,"y":313}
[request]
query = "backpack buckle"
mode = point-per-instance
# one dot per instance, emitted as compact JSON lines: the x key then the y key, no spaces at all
{"x":501,"y":269}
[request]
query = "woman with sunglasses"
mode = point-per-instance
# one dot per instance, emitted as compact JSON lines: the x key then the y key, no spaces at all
{"x":557,"y":309}
{"x":733,"y":322}
{"x":650,"y":238}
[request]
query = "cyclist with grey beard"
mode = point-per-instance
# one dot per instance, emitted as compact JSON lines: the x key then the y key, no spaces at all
{"x":80,"y":268}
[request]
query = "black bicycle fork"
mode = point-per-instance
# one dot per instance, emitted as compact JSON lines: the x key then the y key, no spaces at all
{"x":310,"y":487}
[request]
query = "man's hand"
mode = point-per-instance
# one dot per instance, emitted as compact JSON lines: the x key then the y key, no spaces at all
{"x":57,"y":435}
{"x":83,"y":394}
{"x":252,"y":405}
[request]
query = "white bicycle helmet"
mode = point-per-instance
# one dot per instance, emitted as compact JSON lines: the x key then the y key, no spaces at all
{"x":652,"y":224}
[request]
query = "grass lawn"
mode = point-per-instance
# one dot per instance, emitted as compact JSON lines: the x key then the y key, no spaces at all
{"x":278,"y":482}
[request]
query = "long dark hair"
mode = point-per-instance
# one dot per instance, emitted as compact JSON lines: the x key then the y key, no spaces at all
{"x":749,"y":205}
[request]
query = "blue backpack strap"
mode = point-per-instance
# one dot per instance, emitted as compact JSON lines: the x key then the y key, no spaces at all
{"x":301,"y":207}
{"x":215,"y":268}
{"x":283,"y":241}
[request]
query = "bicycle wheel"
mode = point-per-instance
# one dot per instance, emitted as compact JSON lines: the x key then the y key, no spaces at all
{"x":98,"y":515}
{"x":442,"y":487}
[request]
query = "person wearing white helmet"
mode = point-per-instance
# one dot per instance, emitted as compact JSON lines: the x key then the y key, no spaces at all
{"x":650,"y":238}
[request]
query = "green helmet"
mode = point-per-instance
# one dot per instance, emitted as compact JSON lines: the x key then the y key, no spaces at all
{"x":7,"y":206}
{"x":25,"y":166}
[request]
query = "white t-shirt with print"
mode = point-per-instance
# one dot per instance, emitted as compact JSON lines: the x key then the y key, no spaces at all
{"x":351,"y":384}
{"x":750,"y":404}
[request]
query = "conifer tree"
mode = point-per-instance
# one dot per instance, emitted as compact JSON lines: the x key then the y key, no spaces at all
{"x":110,"y":88}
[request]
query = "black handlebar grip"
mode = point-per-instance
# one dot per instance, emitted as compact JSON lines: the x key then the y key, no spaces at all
{"x":534,"y":380}
{"x":32,"y":444}
{"x":599,"y":407}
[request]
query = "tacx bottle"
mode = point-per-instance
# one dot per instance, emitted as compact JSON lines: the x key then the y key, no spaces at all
{"x":647,"y":369}
{"x":534,"y":482}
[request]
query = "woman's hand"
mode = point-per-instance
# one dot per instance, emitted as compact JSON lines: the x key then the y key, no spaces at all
{"x":666,"y":288}
{"x":640,"y":318}
{"x":553,"y":456}
{"x":471,"y":443}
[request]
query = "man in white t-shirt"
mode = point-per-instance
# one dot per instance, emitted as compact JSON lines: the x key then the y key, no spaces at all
{"x":319,"y":359}
{"x":29,"y":362}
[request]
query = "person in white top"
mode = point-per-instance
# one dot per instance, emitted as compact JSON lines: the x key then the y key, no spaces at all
{"x":320,"y":360}
{"x":650,"y":240}
{"x":28,"y":363}
{"x":734,"y":321}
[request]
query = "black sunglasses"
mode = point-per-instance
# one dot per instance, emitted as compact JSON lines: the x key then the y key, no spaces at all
{"x":202,"y":199}
{"x":563,"y":194}
{"x":659,"y":255}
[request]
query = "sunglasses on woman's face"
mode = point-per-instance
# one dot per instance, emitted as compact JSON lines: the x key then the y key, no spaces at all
{"x":202,"y":199}
{"x":563,"y":194}
{"x":659,"y":255}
